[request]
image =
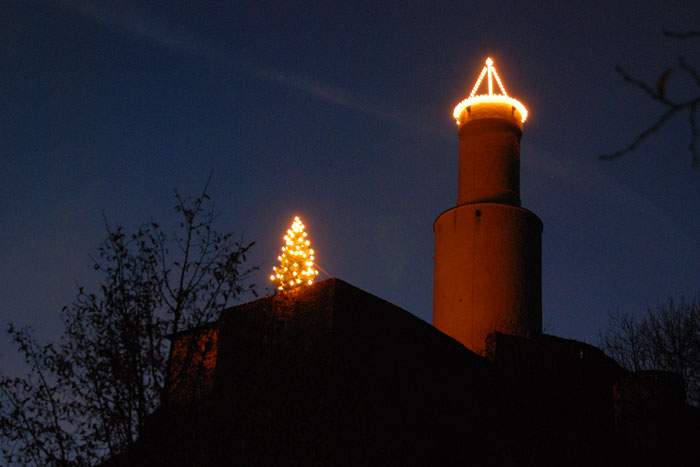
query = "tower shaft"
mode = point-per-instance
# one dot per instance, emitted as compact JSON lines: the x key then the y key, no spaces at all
{"x":488,"y":271}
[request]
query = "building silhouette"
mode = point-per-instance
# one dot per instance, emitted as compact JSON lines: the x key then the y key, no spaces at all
{"x":332,"y":375}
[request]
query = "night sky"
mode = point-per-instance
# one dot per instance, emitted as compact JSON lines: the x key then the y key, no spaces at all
{"x":341,"y":113}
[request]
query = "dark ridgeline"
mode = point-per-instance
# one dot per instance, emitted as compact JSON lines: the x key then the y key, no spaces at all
{"x":332,"y":375}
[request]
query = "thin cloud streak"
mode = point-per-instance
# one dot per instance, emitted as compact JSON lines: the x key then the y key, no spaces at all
{"x":340,"y":98}
{"x":111,"y":16}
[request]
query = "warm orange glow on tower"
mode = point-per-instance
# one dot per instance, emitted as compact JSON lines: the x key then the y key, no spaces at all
{"x":488,"y":248}
{"x":297,"y":259}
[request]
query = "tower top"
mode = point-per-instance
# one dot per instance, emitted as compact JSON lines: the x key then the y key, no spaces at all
{"x":490,"y":95}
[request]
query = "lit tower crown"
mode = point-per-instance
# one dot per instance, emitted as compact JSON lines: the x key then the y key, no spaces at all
{"x":489,"y":72}
{"x":487,"y":275}
{"x":297,"y":259}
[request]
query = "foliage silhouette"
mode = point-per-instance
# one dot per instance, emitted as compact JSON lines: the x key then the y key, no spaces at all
{"x":666,"y":338}
{"x":88,"y":395}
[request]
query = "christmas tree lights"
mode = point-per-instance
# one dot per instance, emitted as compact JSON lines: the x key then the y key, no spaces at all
{"x":296,"y":259}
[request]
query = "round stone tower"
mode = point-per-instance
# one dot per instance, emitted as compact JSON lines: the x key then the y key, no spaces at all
{"x":488,"y":249}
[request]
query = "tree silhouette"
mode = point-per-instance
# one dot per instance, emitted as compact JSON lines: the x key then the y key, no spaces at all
{"x":672,"y":107}
{"x":666,"y":338}
{"x":88,"y":395}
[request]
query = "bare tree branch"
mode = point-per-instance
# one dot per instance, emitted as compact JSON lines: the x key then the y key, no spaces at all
{"x":693,"y":146}
{"x":666,"y":338}
{"x":648,"y":89}
{"x":658,"y":93}
{"x":641,"y":136}
{"x":690,"y":70}
{"x":681,"y":34}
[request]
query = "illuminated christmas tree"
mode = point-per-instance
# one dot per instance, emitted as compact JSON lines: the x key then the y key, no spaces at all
{"x":296,"y":259}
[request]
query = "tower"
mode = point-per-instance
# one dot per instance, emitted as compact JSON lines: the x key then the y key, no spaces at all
{"x":488,"y":266}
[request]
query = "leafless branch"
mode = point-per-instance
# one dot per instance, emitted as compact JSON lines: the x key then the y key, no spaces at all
{"x":672,"y":108}
{"x":659,"y":94}
{"x":641,"y":136}
{"x":655,"y":94}
{"x":665,"y":338}
{"x":681,"y":34}
{"x":693,"y":146}
{"x":690,"y":70}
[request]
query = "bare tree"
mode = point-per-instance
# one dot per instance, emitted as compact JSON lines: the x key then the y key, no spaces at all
{"x":671,"y":107}
{"x":665,"y":338}
{"x":87,"y":396}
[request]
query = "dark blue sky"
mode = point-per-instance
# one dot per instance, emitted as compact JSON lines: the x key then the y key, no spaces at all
{"x":341,"y":112}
